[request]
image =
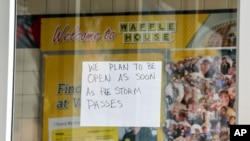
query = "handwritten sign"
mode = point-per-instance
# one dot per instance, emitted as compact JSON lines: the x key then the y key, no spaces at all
{"x":121,"y":94}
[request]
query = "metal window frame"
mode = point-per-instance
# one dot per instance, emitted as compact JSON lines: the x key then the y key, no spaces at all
{"x":7,"y":40}
{"x":243,"y":61}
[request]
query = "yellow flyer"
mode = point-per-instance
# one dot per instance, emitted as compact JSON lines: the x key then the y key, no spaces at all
{"x":62,"y":96}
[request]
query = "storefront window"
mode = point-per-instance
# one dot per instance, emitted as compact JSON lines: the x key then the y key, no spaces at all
{"x":94,"y":70}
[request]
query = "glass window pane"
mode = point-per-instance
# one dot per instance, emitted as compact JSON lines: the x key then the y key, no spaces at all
{"x":125,"y":70}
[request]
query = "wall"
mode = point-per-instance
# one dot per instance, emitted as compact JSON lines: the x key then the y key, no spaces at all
{"x":27,"y":92}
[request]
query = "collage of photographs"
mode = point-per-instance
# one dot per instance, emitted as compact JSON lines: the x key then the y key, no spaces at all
{"x":200,"y":96}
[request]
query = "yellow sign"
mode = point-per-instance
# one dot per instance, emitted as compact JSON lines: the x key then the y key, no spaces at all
{"x":68,"y":41}
{"x":119,"y":32}
{"x":62,"y":81}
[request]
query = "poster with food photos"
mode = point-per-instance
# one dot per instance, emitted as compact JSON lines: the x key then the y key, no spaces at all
{"x":200,"y":94}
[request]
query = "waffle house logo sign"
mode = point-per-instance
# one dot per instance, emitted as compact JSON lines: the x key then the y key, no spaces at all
{"x":145,"y":32}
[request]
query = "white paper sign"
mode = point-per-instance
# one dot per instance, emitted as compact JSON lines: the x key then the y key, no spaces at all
{"x":121,"y":94}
